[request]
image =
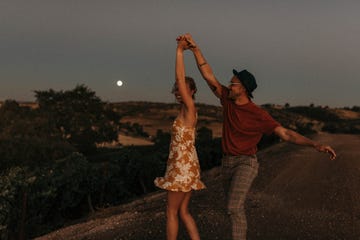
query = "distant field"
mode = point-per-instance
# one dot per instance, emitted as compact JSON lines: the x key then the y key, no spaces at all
{"x":159,"y":116}
{"x":153,"y":117}
{"x":127,"y":141}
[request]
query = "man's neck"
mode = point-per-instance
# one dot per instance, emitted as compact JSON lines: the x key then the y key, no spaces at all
{"x":242,"y":100}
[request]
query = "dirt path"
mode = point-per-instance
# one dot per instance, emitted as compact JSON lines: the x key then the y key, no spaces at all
{"x":298,"y":194}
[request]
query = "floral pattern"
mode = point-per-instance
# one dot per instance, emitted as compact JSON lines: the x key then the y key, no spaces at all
{"x":183,"y":169}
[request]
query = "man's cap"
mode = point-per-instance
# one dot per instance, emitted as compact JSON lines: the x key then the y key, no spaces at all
{"x":247,"y":79}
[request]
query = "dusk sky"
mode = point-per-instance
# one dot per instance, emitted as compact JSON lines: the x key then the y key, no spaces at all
{"x":301,"y":52}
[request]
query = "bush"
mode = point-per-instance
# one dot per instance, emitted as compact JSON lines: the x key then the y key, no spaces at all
{"x":37,"y":201}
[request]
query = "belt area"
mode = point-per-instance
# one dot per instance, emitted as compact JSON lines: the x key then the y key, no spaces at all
{"x":238,"y":155}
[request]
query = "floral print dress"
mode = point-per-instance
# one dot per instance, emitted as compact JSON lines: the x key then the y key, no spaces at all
{"x":183,"y":169}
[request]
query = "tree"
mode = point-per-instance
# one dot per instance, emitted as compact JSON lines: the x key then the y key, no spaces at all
{"x":204,"y":134}
{"x":28,"y":139}
{"x":82,"y":117}
{"x":208,"y":149}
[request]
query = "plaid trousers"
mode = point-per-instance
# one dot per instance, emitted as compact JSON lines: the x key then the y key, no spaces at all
{"x":238,"y":173}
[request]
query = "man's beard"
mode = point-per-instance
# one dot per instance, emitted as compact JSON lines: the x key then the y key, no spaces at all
{"x":232,"y":96}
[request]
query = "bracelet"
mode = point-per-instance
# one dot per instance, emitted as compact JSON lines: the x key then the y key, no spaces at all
{"x":202,"y":64}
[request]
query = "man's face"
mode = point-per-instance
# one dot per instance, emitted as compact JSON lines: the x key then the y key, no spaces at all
{"x":236,"y":88}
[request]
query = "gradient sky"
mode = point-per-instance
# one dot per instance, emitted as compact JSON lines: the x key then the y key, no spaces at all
{"x":301,"y":52}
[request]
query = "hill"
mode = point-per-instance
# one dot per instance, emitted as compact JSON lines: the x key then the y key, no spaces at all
{"x":298,"y":194}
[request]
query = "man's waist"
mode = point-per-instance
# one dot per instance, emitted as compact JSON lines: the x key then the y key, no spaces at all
{"x":238,"y":150}
{"x":237,"y":155}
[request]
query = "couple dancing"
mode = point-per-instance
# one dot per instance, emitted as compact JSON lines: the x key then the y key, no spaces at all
{"x":244,"y":123}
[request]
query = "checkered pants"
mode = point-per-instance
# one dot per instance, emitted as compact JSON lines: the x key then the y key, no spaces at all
{"x":238,"y":173}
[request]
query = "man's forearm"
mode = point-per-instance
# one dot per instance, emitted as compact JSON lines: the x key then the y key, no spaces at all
{"x":296,"y":138}
{"x":299,"y":139}
{"x":199,"y":57}
{"x":206,"y":72}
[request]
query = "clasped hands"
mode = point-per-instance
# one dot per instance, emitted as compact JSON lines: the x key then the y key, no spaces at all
{"x":185,"y":42}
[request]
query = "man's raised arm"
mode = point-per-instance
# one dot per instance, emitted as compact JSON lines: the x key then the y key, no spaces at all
{"x":203,"y":66}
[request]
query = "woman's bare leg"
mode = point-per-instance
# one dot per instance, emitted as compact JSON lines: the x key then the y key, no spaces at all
{"x":174,"y":200}
{"x":187,"y":218}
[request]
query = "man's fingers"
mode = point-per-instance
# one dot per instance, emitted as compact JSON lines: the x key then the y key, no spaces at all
{"x":330,"y":151}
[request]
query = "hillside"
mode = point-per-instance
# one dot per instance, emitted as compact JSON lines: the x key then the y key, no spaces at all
{"x":298,"y":194}
{"x":159,"y":116}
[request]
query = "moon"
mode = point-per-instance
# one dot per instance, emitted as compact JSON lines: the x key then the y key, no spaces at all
{"x":119,"y":83}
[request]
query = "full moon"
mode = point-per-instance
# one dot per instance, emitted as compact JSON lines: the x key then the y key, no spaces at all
{"x":119,"y":83}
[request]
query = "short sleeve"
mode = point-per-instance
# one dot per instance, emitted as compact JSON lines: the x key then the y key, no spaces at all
{"x":268,"y":123}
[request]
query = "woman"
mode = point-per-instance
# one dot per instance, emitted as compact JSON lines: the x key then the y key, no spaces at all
{"x":183,"y":171}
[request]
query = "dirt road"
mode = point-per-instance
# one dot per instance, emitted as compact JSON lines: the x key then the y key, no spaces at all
{"x":298,"y":194}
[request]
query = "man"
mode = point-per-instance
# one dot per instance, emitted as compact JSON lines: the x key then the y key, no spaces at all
{"x":243,"y":126}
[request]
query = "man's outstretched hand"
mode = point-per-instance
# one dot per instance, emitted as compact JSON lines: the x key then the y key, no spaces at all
{"x":326,"y":149}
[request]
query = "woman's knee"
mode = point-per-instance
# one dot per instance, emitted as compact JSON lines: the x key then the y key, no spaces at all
{"x":184,"y":214}
{"x":172,"y":213}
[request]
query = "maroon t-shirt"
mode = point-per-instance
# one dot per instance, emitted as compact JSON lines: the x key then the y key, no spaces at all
{"x":243,"y":126}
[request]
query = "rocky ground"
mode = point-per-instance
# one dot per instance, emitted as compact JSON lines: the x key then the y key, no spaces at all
{"x":298,"y":194}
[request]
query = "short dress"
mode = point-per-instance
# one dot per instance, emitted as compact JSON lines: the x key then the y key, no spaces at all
{"x":183,"y":168}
